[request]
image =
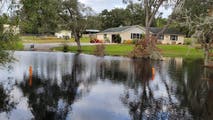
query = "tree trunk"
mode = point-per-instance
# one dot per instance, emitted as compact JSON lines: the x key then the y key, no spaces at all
{"x":77,"y":40}
{"x":147,"y":21}
{"x":206,"y":55}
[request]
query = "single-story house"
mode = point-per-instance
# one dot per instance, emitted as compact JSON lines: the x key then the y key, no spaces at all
{"x":169,"y":36}
{"x":14,"y":29}
{"x":64,"y":34}
{"x":125,"y":32}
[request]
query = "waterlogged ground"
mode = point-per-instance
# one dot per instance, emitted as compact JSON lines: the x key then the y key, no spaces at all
{"x":66,"y":86}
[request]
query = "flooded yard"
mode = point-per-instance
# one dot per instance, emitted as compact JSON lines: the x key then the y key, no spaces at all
{"x":66,"y":86}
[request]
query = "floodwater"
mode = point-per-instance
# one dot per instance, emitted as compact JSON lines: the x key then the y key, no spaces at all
{"x":66,"y":86}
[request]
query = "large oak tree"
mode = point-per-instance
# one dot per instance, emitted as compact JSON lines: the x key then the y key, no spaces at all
{"x":74,"y":17}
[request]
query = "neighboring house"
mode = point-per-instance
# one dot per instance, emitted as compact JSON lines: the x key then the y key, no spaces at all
{"x":125,"y":32}
{"x":169,"y":36}
{"x":14,"y":29}
{"x":63,"y":34}
{"x":90,"y":33}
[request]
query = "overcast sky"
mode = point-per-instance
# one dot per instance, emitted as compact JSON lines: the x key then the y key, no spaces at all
{"x":99,"y":5}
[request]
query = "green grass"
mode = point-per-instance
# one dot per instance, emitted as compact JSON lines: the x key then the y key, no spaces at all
{"x":12,"y":45}
{"x":114,"y":50}
{"x":123,"y":50}
{"x":19,"y":45}
{"x":189,"y":41}
{"x":83,"y":40}
{"x":118,"y":50}
{"x":50,"y":39}
{"x":184,"y":51}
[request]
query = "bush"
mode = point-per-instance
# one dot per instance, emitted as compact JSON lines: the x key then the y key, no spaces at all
{"x":8,"y":41}
{"x":107,"y":40}
{"x":96,"y":41}
{"x":128,"y":42}
{"x":65,"y":48}
{"x":187,"y":41}
{"x":135,"y":41}
{"x":100,"y":50}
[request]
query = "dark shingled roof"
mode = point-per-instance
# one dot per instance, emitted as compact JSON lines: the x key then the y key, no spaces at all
{"x":117,"y":29}
{"x":167,"y":31}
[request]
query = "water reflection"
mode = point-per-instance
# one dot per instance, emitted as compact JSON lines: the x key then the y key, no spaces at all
{"x":3,"y":100}
{"x":68,"y":86}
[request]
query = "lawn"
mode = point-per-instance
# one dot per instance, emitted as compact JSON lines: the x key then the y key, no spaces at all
{"x":19,"y":45}
{"x":12,"y":45}
{"x":50,"y":39}
{"x":184,"y":51}
{"x":124,"y":49}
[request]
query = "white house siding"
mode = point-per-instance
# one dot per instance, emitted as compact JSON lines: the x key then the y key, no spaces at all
{"x":167,"y":40}
{"x":100,"y":36}
{"x":125,"y":35}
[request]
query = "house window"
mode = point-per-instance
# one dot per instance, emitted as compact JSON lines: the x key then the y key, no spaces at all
{"x":173,"y":37}
{"x":161,"y":37}
{"x":136,"y":36}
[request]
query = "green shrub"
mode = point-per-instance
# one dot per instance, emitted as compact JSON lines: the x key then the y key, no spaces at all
{"x":65,"y":48}
{"x":100,"y":50}
{"x":106,"y":40}
{"x":134,"y":41}
{"x":188,"y":41}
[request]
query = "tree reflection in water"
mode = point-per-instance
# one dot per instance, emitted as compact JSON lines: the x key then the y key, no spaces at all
{"x":144,"y":98}
{"x":3,"y":100}
{"x":194,"y":88}
{"x":144,"y":103}
{"x":50,"y":100}
{"x":64,"y":85}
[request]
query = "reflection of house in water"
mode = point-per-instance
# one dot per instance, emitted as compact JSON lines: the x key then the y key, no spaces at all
{"x":125,"y":66}
{"x":177,"y":62}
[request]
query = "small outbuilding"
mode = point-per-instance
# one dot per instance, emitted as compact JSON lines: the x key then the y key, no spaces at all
{"x":64,"y":34}
{"x":14,"y":29}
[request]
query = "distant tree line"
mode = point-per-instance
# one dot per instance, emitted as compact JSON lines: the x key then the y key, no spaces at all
{"x":47,"y":16}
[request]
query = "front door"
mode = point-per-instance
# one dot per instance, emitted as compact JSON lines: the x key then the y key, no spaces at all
{"x":116,"y":38}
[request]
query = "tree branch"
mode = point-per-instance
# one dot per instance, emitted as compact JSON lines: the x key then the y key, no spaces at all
{"x":155,"y":10}
{"x":169,"y":20}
